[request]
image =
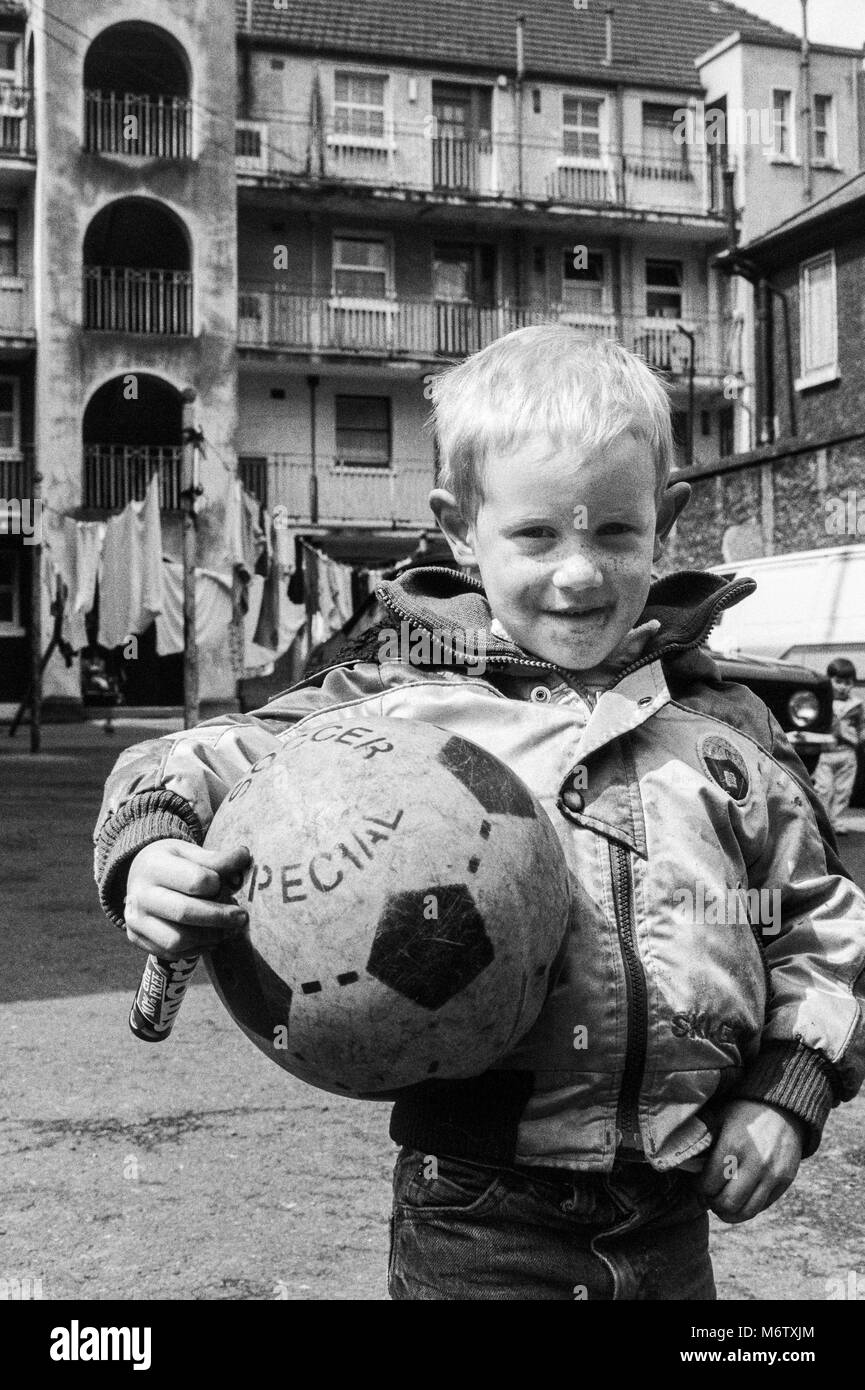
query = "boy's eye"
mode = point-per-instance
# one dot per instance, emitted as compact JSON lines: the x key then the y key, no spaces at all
{"x":535,"y":532}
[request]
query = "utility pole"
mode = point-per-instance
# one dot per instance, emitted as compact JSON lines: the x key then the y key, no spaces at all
{"x":189,"y":491}
{"x":36,"y":666}
{"x":692,"y":339}
{"x":312,"y":382}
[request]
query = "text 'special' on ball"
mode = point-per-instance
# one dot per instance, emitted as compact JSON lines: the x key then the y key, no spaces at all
{"x":407,"y":897}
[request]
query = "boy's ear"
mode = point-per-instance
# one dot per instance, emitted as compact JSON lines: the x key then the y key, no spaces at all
{"x":457,"y":531}
{"x":672,"y":503}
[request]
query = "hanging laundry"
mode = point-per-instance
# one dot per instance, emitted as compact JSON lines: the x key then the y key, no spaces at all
{"x":130,"y":580}
{"x":279,"y":619}
{"x":90,"y":538}
{"x":61,"y":541}
{"x":213,"y":609}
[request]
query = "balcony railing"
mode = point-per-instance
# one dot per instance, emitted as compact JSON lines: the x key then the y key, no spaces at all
{"x":120,"y":299}
{"x":158,"y":127}
{"x":363,"y":496}
{"x":16,"y":472}
{"x":278,"y":319}
{"x":16,"y":306}
{"x":17,"y":136}
{"x":416,"y":157}
{"x":115,"y":474}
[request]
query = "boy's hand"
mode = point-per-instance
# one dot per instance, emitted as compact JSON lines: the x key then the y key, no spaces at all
{"x":171,"y":908}
{"x":753,"y":1161}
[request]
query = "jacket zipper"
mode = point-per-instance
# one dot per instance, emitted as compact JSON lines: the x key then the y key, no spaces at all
{"x":627,"y":1115}
{"x":520,"y":660}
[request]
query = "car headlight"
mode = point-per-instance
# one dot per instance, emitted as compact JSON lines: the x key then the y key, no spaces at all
{"x":804,"y":708}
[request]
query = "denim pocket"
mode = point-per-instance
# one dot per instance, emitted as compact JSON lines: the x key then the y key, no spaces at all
{"x":425,"y":1182}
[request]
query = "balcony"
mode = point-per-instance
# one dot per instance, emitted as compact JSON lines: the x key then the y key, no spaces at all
{"x":278,"y":320}
{"x":155,"y":127}
{"x":347,"y":495}
{"x":414,"y":158}
{"x":17,"y":133}
{"x":115,"y":474}
{"x":120,"y":299}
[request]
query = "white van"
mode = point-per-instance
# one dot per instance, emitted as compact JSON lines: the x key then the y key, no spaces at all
{"x":808,"y":607}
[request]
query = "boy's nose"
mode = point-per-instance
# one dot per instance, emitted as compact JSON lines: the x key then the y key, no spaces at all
{"x":577,"y":571}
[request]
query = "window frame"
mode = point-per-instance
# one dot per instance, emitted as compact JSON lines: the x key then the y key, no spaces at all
{"x":830,"y":129}
{"x":346,"y":465}
{"x":346,"y":301}
{"x":605,"y":306}
{"x":11,"y":75}
{"x":790,"y":155}
{"x":585,"y":161}
{"x":13,"y":450}
{"x":362,"y":140}
{"x":648,"y":287}
{"x":828,"y":371}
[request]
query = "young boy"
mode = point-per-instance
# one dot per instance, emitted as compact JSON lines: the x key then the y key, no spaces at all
{"x":835,"y":773}
{"x":705,"y":1017}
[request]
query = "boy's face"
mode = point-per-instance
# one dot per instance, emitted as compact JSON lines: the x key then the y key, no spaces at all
{"x":841,"y":686}
{"x":564,"y":542}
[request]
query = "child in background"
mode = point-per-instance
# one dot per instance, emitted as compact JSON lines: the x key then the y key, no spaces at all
{"x":835,"y":772}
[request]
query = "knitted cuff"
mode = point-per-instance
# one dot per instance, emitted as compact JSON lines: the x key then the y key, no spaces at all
{"x":159,"y":815}
{"x":795,"y":1078}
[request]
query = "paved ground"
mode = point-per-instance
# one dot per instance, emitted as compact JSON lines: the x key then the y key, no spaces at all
{"x":193,"y":1169}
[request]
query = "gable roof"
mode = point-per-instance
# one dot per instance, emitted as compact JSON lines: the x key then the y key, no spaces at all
{"x":655,"y":42}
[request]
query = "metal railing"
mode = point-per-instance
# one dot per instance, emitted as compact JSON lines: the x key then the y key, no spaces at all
{"x":124,"y":300}
{"x":115,"y":474}
{"x":159,"y":127}
{"x":362,"y":495}
{"x":17,"y":132}
{"x":415,"y":156}
{"x":16,"y":472}
{"x":423,"y":327}
{"x":16,"y":305}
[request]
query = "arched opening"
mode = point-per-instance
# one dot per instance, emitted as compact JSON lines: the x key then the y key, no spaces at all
{"x":137,"y":275}
{"x":136,"y":93}
{"x":131,"y":429}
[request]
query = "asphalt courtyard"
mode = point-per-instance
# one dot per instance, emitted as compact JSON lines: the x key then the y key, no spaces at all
{"x":194,"y":1169}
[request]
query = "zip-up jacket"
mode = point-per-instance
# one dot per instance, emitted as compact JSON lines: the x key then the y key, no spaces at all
{"x":716,"y":944}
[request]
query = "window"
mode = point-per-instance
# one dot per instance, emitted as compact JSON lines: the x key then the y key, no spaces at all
{"x":581,"y":127}
{"x":782,"y":104}
{"x":9,"y":430}
{"x":8,"y":55}
{"x":361,"y":268}
{"x":363,"y":431}
{"x":824,"y":129}
{"x":583,"y":289}
{"x":8,"y":242}
{"x":659,"y":134}
{"x":10,"y":590}
{"x":358,"y":107}
{"x":818,"y":319}
{"x":664,"y":289}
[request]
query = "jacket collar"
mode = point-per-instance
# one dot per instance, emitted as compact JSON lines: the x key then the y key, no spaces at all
{"x":450,"y":603}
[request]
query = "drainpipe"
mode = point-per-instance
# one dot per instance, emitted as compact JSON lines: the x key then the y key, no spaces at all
{"x":805,"y":83}
{"x":521,"y":73}
{"x":764,"y":364}
{"x":312,"y":383}
{"x":729,"y":177}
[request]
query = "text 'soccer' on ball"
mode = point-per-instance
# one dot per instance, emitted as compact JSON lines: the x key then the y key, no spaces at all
{"x":407,"y":898}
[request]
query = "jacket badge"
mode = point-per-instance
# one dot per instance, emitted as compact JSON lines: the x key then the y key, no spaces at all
{"x":725,"y":765}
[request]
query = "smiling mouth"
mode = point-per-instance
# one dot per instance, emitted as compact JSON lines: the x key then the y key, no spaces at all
{"x":577,"y":613}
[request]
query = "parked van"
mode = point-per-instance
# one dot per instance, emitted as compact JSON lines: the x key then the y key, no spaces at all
{"x":808,"y":607}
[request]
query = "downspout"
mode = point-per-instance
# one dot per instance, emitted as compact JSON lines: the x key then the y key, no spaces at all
{"x":805,"y":83}
{"x":764,"y":364}
{"x":518,"y":94}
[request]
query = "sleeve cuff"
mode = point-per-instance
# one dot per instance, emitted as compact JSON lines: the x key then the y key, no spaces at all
{"x":153,"y":816}
{"x":795,"y":1078}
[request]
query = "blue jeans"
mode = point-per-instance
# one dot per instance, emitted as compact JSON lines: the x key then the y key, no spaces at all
{"x":462,"y":1231}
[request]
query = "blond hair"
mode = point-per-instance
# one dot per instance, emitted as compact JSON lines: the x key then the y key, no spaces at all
{"x":544,"y":381}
